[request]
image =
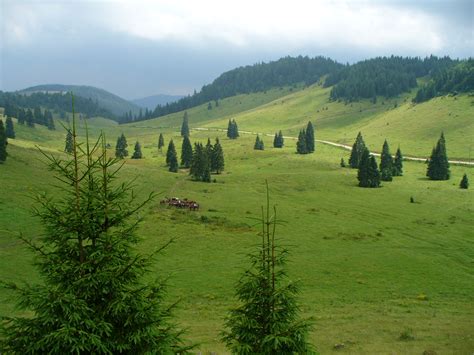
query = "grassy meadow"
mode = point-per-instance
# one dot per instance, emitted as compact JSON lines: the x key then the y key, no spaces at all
{"x":372,"y":265}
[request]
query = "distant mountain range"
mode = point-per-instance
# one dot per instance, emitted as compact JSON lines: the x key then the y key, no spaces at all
{"x":150,"y":102}
{"x":111,"y":102}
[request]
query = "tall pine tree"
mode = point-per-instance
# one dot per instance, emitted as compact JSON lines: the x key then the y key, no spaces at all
{"x":217,"y":159}
{"x":137,"y":153}
{"x":121,"y":147}
{"x":368,"y":173}
{"x":438,"y":165}
{"x":92,"y":298}
{"x":358,"y":149}
{"x":310,"y":137}
{"x":201,"y":164}
{"x":386,"y":163}
{"x":9,"y":130}
{"x":185,"y":125}
{"x":161,"y":142}
{"x":3,"y":143}
{"x":266,"y":319}
{"x":232,"y":129}
{"x":186,"y":152}
{"x":398,"y":163}
{"x":172,"y":157}
{"x":301,"y":143}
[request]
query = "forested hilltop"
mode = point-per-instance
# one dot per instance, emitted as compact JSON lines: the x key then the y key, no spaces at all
{"x":57,"y":102}
{"x":255,"y":78}
{"x":383,"y":76}
{"x":457,"y":79}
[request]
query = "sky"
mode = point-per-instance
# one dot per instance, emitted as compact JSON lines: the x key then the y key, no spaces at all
{"x":145,"y":47}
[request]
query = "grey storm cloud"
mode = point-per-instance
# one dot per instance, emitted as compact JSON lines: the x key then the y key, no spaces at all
{"x":138,"y":48}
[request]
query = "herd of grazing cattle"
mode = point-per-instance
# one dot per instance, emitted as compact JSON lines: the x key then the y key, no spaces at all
{"x":178,"y":203}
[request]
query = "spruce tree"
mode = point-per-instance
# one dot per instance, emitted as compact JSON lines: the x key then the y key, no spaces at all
{"x":301,"y":144}
{"x":368,"y":173}
{"x":93,"y":298}
{"x":309,"y":137}
{"x":217,"y":160}
{"x":9,"y":130}
{"x":398,"y":163}
{"x":438,"y":165}
{"x":343,"y":163}
{"x":121,"y":147}
{"x":258,"y":144}
{"x":362,"y":173}
{"x":232,"y":130}
{"x":464,"y":182}
{"x":373,"y":173}
{"x":229,"y":129}
{"x":267,"y":320}
{"x":3,"y":143}
{"x":171,"y":155}
{"x":281,"y":141}
{"x":69,"y":146}
{"x":358,"y":149}
{"x":386,"y":163}
{"x":161,"y":142}
{"x":201,"y":164}
{"x":137,"y":153}
{"x":185,"y":125}
{"x":278,"y":140}
{"x":186,"y":152}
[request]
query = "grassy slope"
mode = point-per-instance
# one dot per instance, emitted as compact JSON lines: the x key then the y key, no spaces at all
{"x":415,"y":128}
{"x":363,"y":256}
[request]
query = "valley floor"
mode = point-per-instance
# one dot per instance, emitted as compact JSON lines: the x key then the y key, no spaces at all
{"x":372,"y":265}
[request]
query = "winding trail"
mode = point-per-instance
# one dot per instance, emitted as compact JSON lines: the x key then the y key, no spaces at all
{"x":334,"y":144}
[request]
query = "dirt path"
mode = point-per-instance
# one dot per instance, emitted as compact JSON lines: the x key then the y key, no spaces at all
{"x":334,"y":144}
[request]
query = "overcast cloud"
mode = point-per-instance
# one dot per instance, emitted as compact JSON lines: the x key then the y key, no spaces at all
{"x":140,"y":48}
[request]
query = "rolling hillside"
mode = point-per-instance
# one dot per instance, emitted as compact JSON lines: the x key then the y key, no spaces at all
{"x":107,"y":100}
{"x":415,"y":127}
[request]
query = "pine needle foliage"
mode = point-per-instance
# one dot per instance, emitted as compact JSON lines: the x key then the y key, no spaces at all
{"x":301,"y":147}
{"x":186,"y":152}
{"x":161,"y":142}
{"x":137,"y":152}
{"x":259,"y":145}
{"x":217,"y":159}
{"x":386,"y":163}
{"x":92,"y":299}
{"x":310,"y":137}
{"x":172,"y":158}
{"x":438,"y":165}
{"x":68,"y":147}
{"x":358,"y":149}
{"x":398,"y":163}
{"x":267,"y":319}
{"x":185,"y":125}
